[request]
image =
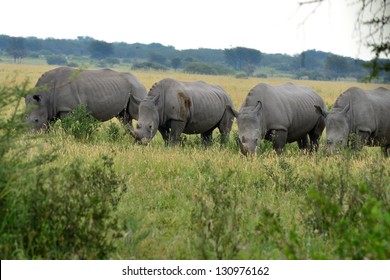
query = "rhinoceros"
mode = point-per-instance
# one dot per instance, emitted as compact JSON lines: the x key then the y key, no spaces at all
{"x":281,"y":114}
{"x":105,"y":93}
{"x":173,"y":107}
{"x":365,"y":113}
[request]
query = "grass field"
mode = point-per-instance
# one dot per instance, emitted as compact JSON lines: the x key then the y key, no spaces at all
{"x":106,"y":198}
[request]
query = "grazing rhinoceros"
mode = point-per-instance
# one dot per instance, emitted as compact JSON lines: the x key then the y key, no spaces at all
{"x":281,"y":114}
{"x":105,"y":93}
{"x":174,"y":107}
{"x":364,"y":112}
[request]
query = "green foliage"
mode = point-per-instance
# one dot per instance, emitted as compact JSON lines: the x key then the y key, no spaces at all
{"x":79,"y":123}
{"x":113,"y":132}
{"x":241,"y":58}
{"x":149,"y":66}
{"x":207,"y":69}
{"x":100,"y":49}
{"x":216,"y":218}
{"x":355,"y":214}
{"x":56,"y":60}
{"x":62,"y":212}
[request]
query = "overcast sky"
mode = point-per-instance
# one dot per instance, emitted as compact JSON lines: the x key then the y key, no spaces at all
{"x":271,"y":26}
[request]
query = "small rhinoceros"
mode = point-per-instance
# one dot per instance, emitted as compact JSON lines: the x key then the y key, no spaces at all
{"x":105,"y":93}
{"x":281,"y":114}
{"x":175,"y":107}
{"x":363,"y":112}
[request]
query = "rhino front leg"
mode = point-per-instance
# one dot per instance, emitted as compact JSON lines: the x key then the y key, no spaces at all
{"x":315,"y":135}
{"x":386,"y":150}
{"x":177,"y":128}
{"x":279,"y":139}
{"x":165,"y":134}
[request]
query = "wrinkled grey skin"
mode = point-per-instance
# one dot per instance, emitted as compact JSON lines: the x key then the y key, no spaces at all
{"x":366,"y":113}
{"x":174,"y":107}
{"x":105,"y":93}
{"x":281,"y":114}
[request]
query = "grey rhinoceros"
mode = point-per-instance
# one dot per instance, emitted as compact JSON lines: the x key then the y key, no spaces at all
{"x":105,"y":93}
{"x":173,"y":107}
{"x":281,"y":114}
{"x":363,"y":112}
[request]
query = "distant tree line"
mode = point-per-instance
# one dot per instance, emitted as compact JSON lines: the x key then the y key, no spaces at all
{"x":309,"y":64}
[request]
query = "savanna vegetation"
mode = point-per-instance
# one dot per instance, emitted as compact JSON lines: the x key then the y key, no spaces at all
{"x":85,"y":191}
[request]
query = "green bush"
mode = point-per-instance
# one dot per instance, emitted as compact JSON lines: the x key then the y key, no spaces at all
{"x":79,"y":123}
{"x":56,"y":60}
{"x":216,"y":219}
{"x":207,"y":69}
{"x":354,"y":213}
{"x":149,"y":66}
{"x":48,"y":212}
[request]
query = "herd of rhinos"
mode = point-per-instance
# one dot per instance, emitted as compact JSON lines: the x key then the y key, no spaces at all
{"x":281,"y":114}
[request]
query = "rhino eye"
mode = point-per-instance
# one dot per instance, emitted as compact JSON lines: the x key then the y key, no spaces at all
{"x":36,"y":120}
{"x":150,"y":127}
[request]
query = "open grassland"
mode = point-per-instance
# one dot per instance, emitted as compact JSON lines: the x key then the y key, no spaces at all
{"x":104,"y":197}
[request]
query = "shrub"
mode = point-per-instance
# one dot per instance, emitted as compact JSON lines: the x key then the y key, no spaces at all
{"x":80,"y":123}
{"x":56,"y":60}
{"x":207,"y":69}
{"x":216,"y":219}
{"x":149,"y":66}
{"x":355,"y":214}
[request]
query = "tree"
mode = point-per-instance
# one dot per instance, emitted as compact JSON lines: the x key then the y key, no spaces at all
{"x":374,"y":14}
{"x":100,"y":49}
{"x":16,"y":48}
{"x":56,"y":60}
{"x":336,"y":66}
{"x":240,"y":58}
{"x":157,"y":57}
{"x":176,"y":63}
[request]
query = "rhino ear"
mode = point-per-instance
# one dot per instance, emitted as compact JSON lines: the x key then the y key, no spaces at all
{"x":37,"y":97}
{"x":321,"y":111}
{"x":234,"y":112}
{"x":155,"y":99}
{"x":258,"y":107}
{"x":136,"y":100}
{"x":345,"y":110}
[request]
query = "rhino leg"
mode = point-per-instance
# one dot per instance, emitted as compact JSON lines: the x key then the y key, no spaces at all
{"x":279,"y":139}
{"x":177,"y":128}
{"x":386,"y":150}
{"x":165,"y":134}
{"x":207,"y":137}
{"x":315,"y":134}
{"x":225,"y":125}
{"x":302,"y":143}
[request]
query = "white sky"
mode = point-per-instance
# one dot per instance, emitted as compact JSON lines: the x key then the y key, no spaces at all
{"x":271,"y":26}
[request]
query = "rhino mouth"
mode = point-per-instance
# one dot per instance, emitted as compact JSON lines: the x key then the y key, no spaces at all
{"x":139,"y":139}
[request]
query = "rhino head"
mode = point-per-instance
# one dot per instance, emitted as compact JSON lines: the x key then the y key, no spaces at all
{"x":337,"y":127}
{"x":148,"y":121}
{"x":37,"y":115}
{"x":249,"y":128}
